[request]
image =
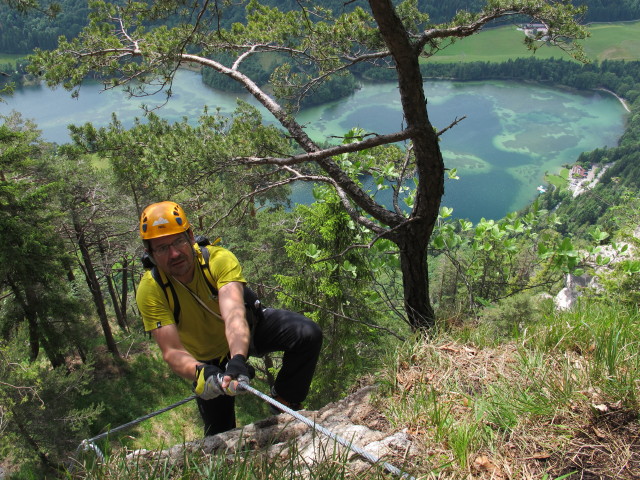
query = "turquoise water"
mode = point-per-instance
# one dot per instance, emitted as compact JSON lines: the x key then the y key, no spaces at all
{"x":514,"y":132}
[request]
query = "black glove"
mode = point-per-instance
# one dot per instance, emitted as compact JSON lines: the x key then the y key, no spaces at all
{"x":207,"y":384}
{"x":238,"y":369}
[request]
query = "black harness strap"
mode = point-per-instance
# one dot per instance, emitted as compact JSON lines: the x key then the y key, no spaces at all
{"x":166,"y":287}
{"x":252,"y":303}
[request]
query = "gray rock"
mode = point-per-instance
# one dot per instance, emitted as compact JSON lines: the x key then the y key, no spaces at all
{"x":353,"y":418}
{"x":566,"y":299}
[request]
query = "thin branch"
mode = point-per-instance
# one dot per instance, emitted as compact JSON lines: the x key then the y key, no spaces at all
{"x":260,"y":190}
{"x":401,"y":179}
{"x":389,"y":301}
{"x":462,"y":31}
{"x":242,"y":57}
{"x":32,"y":390}
{"x":353,"y":213}
{"x":6,"y":295}
{"x":331,"y":312}
{"x":371,"y":142}
{"x":368,"y":245}
{"x":451,"y":125}
{"x":201,"y":13}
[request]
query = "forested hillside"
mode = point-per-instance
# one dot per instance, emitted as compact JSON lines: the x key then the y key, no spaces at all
{"x":22,"y":33}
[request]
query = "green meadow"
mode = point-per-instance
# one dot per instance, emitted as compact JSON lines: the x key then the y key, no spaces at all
{"x":608,"y":41}
{"x":10,"y":57}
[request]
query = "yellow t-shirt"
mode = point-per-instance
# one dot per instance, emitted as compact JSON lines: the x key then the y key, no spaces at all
{"x":201,"y":333}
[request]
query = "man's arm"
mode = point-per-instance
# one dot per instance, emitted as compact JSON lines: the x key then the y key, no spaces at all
{"x":232,"y":310}
{"x":231,"y":301}
{"x":174,"y":353}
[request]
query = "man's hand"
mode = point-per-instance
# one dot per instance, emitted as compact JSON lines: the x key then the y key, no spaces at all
{"x":207,"y":385}
{"x":237,"y":372}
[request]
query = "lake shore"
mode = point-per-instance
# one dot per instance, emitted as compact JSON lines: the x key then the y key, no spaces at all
{"x":620,"y":99}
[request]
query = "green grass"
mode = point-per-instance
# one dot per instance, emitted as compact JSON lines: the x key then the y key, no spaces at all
{"x":235,"y":464}
{"x":531,"y":396}
{"x":612,"y":41}
{"x":559,"y":180}
{"x":10,"y":57}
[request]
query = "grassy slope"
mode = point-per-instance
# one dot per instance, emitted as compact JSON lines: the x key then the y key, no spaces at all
{"x":559,"y":180}
{"x":523,"y":392}
{"x":612,"y":41}
{"x":558,"y":398}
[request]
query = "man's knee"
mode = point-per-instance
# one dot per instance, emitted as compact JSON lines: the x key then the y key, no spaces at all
{"x":312,"y":334}
{"x":307,"y":332}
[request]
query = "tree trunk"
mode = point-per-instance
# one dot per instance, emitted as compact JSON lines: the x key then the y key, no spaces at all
{"x":116,"y":304}
{"x":124,"y":294}
{"x":30,"y":316}
{"x":94,"y":287}
{"x":44,"y":458}
{"x":115,"y":301}
{"x":34,"y":338}
{"x":415,"y":283}
{"x":39,"y":332}
{"x":134,"y":287}
{"x":413,"y":237}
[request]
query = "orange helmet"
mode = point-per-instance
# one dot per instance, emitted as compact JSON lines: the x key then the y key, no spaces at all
{"x":162,"y":219}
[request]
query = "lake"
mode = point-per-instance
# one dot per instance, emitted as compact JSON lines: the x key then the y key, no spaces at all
{"x":514,"y":132}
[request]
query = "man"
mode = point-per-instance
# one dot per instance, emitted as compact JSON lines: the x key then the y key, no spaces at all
{"x":209,"y":341}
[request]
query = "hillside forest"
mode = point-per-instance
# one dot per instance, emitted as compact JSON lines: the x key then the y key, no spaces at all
{"x":74,"y":360}
{"x":24,"y":32}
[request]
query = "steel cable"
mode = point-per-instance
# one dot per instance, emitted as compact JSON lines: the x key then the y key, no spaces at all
{"x":368,"y":456}
{"x":89,"y":444}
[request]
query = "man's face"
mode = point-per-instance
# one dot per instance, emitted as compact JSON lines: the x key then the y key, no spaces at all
{"x":174,"y":255}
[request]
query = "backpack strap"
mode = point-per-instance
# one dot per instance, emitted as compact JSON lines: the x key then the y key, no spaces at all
{"x":253,"y":306}
{"x":169,"y":291}
{"x":204,"y":265}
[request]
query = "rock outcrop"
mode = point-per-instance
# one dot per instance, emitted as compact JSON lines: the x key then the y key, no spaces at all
{"x":574,"y":285}
{"x":354,"y":419}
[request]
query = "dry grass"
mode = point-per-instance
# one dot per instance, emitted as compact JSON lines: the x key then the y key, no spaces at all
{"x":450,"y":387}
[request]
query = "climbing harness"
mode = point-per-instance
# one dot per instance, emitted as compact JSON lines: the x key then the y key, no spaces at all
{"x":89,"y":444}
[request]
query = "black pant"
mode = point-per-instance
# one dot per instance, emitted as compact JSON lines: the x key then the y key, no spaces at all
{"x":277,"y":330}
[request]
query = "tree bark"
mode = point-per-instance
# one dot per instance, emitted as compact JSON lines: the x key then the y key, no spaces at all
{"x":413,"y":237}
{"x":124,"y":294}
{"x":94,"y":286}
{"x":115,"y":301}
{"x":44,"y":458}
{"x":415,"y":284}
{"x":31,"y":317}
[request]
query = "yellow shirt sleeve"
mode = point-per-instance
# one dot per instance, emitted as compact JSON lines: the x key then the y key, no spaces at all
{"x":224,"y":267}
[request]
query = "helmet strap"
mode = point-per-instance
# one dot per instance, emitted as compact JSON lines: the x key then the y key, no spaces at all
{"x":147,"y":248}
